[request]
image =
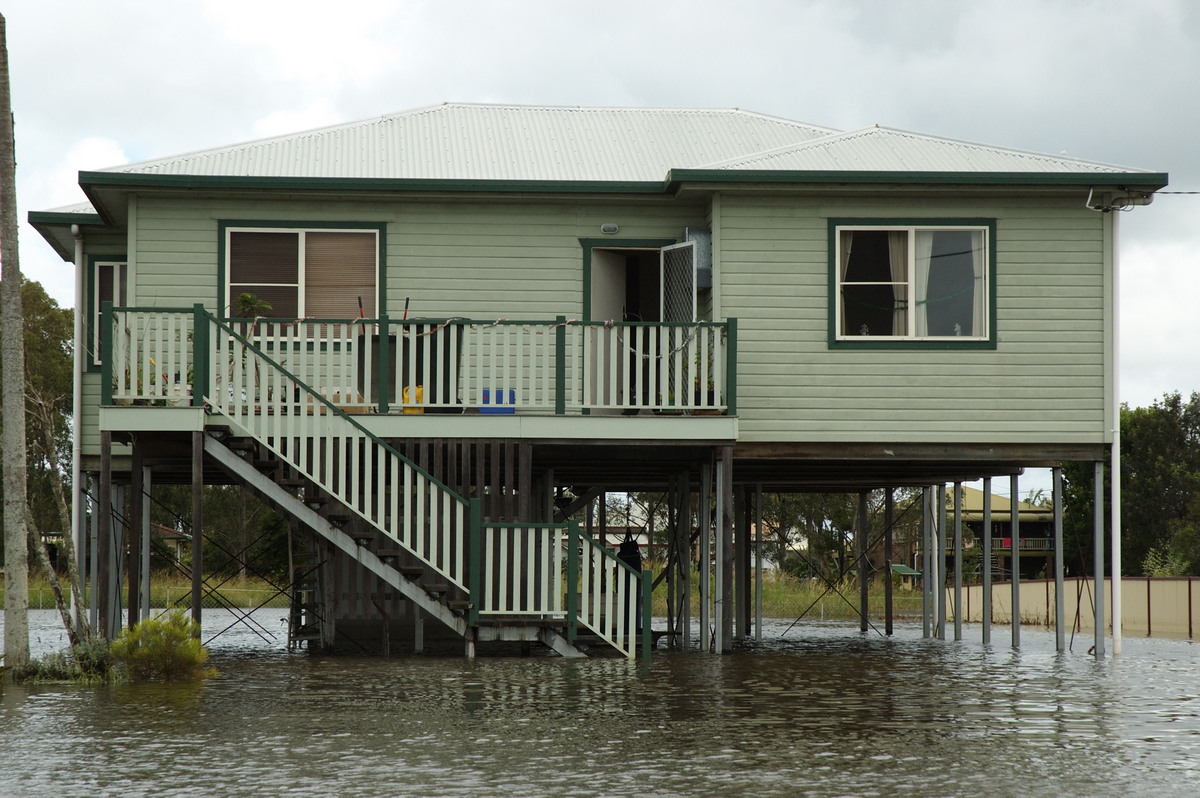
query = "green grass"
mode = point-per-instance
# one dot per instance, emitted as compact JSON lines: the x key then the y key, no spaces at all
{"x":173,"y":590}
{"x":785,"y":596}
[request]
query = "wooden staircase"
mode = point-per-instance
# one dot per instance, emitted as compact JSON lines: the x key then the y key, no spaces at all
{"x":484,"y":581}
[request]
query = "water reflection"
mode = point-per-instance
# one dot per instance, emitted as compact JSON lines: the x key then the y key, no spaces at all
{"x":819,"y":711}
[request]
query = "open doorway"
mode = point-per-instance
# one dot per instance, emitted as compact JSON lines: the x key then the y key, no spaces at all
{"x":626,"y":284}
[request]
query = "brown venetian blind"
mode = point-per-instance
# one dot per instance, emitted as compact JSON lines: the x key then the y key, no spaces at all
{"x":339,"y":267}
{"x":258,"y":257}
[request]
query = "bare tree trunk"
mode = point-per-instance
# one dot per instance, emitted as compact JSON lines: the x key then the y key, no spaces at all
{"x":38,"y":546}
{"x":45,"y":410}
{"x":12,"y":356}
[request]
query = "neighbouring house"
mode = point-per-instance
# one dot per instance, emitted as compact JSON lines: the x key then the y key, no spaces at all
{"x":428,"y":337}
{"x":1035,"y":536}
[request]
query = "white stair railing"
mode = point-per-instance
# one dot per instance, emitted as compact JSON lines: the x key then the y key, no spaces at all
{"x":613,"y":598}
{"x":266,"y":401}
{"x":522,"y":570}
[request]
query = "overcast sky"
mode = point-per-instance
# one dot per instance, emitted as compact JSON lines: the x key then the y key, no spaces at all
{"x":96,"y":84}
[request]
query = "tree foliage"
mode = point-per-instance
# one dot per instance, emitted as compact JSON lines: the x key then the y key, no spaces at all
{"x":1160,"y":493}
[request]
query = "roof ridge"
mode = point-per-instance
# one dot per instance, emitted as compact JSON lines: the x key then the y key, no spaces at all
{"x":878,"y":129}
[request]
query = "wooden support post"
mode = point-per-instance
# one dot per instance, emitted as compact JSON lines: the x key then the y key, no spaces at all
{"x":889,"y":512}
{"x":860,"y":558}
{"x":133,"y":565}
{"x":1060,"y":632}
{"x":672,"y":555}
{"x":197,"y":523}
{"x":987,"y":561}
{"x":102,"y":553}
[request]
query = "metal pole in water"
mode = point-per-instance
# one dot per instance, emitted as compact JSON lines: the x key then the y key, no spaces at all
{"x":889,"y":506}
{"x":1060,"y":632}
{"x":1014,"y":518}
{"x":958,"y":542}
{"x":705,"y":513}
{"x":987,"y":560}
{"x":941,"y":562}
{"x":758,"y":564}
{"x":1098,"y":548}
{"x":926,"y":576}
{"x":860,"y":551}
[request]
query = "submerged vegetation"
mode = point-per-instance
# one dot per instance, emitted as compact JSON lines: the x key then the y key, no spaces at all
{"x":164,"y":648}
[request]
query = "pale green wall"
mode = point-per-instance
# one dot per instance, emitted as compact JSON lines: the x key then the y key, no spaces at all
{"x":521,"y":258}
{"x":481,"y":259}
{"x":1045,"y":382}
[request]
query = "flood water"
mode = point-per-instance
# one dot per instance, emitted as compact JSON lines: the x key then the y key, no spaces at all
{"x":821,"y":710}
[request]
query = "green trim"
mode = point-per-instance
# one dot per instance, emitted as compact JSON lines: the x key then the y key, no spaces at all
{"x":106,"y":355}
{"x":647,"y":588}
{"x":673,"y":178}
{"x":588,"y":244}
{"x":474,"y":559}
{"x":573,"y":554}
{"x":36,"y":218}
{"x":560,"y":366}
{"x":380,"y":228}
{"x":200,"y":364}
{"x":383,"y":378}
{"x":924,"y":344}
{"x":1152,"y":180}
{"x":293,"y":183}
{"x":731,"y":346}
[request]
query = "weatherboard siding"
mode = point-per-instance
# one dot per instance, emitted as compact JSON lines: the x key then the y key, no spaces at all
{"x":495,"y":259}
{"x":1045,"y":381}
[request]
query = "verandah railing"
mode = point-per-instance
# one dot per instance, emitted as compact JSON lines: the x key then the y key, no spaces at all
{"x":514,"y":568}
{"x":390,"y":366}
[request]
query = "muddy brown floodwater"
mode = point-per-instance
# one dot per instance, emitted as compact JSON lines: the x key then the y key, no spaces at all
{"x":821,"y":710}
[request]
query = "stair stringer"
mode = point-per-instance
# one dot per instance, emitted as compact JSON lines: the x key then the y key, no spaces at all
{"x":293,"y":506}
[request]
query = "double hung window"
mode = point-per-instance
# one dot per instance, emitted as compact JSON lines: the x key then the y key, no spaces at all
{"x":307,"y":273}
{"x":912,"y":282}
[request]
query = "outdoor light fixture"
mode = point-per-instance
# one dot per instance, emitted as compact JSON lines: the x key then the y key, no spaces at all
{"x":609,"y":229}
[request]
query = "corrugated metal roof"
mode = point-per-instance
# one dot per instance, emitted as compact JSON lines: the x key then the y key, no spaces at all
{"x":881,"y":149}
{"x":501,"y":142}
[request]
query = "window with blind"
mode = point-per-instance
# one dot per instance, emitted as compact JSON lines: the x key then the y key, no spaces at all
{"x":304,"y":273}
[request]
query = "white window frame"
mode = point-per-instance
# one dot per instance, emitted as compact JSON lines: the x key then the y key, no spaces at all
{"x":301,"y":233}
{"x":910,"y":281}
{"x":119,"y":297}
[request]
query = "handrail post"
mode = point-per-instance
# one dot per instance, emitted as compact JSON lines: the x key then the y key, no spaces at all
{"x":647,"y":613}
{"x":731,"y":368}
{"x":199,"y":354}
{"x":573,"y":555}
{"x":560,"y":365}
{"x":106,"y":351}
{"x":383,"y":377}
{"x":475,"y":562}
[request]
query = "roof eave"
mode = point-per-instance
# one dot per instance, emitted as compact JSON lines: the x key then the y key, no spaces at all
{"x":1151,"y":181}
{"x":55,"y":228}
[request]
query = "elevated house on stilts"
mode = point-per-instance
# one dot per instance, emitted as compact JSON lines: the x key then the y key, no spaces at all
{"x":480,"y":315}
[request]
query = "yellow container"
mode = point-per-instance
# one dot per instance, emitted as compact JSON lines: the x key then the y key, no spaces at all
{"x":412,"y":400}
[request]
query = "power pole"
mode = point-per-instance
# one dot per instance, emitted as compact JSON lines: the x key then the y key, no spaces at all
{"x":12,"y":356}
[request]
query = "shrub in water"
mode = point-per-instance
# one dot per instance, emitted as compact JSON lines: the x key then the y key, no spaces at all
{"x":165,"y":647}
{"x":90,"y":662}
